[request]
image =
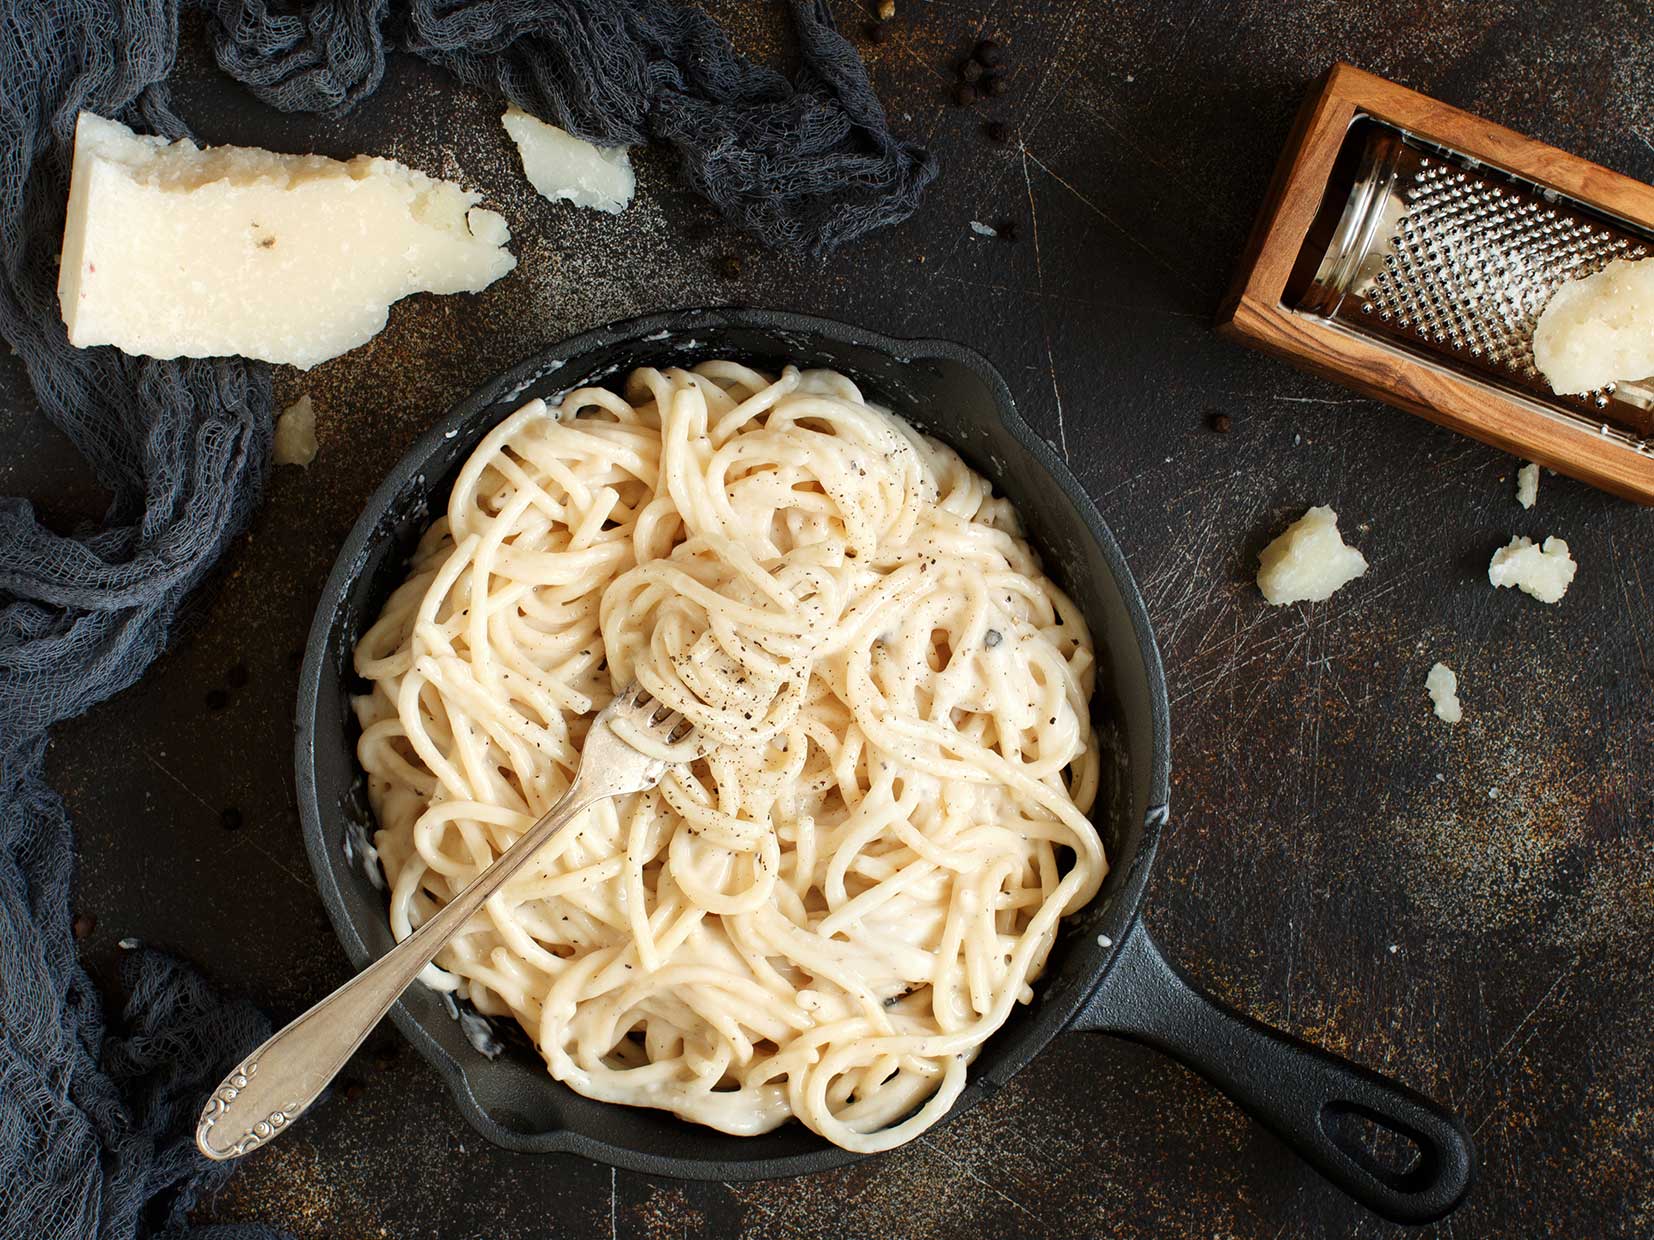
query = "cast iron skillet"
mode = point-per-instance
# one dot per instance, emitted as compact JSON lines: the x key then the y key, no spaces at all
{"x":1106,"y":973}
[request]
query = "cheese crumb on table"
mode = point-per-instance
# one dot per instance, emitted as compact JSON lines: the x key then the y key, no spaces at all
{"x":1598,"y":330}
{"x":170,"y":250}
{"x":562,"y":167}
{"x":1308,"y":562}
{"x":1544,"y":573}
{"x":1443,"y":687}
{"x":1527,"y":485}
{"x":295,"y":442}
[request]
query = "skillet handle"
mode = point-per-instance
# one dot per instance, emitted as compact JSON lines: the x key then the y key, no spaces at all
{"x":1316,"y":1102}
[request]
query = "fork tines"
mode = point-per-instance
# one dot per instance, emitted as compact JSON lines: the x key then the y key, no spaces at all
{"x":659,"y":718}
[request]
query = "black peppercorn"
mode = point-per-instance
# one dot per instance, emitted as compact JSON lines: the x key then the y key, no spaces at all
{"x":84,"y":925}
{"x":1007,"y":230}
{"x":964,"y":94}
{"x":729,"y":266}
{"x":970,"y":71}
{"x":876,"y":32}
{"x":998,"y":131}
{"x":989,"y":53}
{"x":993,"y":85}
{"x":217,"y":699}
{"x":230,"y":819}
{"x":237,"y":676}
{"x":1222,"y":423}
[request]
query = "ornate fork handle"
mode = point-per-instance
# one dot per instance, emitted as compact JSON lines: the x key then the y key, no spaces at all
{"x":277,"y":1083}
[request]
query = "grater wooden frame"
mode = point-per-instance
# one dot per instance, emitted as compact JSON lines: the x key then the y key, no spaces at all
{"x":1255,"y":311}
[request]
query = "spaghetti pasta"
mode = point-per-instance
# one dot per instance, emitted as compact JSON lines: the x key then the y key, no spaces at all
{"x":828,"y":914}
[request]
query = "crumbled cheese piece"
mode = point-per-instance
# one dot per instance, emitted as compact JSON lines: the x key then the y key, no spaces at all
{"x":1309,"y":561}
{"x":1544,"y":573}
{"x":1443,"y":687}
{"x":296,"y":433}
{"x":983,"y":230}
{"x":1598,"y":330}
{"x":1527,"y":485}
{"x":562,"y":167}
{"x":170,"y":250}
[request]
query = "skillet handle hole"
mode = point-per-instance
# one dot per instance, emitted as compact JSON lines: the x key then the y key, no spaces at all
{"x":1390,"y":1152}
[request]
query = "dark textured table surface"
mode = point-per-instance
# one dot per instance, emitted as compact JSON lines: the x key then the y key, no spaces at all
{"x":1469,"y":908}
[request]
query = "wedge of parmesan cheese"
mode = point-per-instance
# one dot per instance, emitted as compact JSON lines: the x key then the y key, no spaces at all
{"x":1544,"y":573}
{"x":1598,"y":330}
{"x":1308,"y":562}
{"x":170,"y":250}
{"x":562,"y":167}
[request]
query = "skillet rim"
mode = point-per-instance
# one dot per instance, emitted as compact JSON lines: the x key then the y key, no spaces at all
{"x":1053,"y":1014}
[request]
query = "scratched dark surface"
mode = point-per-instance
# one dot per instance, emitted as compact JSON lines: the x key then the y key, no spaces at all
{"x":1469,"y":908}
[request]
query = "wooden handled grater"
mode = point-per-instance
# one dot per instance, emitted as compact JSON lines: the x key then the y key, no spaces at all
{"x":1407,"y":248}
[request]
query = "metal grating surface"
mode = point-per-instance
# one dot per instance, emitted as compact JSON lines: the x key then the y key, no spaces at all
{"x":1473,"y":261}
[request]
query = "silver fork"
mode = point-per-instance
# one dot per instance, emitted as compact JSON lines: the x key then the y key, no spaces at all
{"x":277,"y":1083}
